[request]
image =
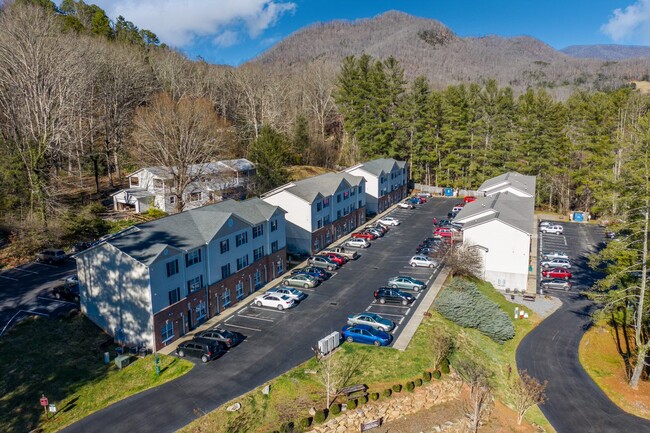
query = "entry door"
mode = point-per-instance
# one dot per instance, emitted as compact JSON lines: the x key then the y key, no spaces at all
{"x":189,"y":318}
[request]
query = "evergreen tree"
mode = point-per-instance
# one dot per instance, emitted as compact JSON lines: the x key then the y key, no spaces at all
{"x":270,"y":153}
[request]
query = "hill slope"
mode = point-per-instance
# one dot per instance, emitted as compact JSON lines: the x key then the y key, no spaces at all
{"x":608,"y":52}
{"x":427,"y":47}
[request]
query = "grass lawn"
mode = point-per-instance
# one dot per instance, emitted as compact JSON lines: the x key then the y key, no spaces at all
{"x":63,"y":359}
{"x":293,"y":393}
{"x":299,"y":172}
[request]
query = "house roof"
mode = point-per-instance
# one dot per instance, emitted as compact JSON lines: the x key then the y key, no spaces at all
{"x":228,"y":165}
{"x":513,"y":179}
{"x":188,"y":230}
{"x":381,"y":165}
{"x":135,"y":192}
{"x":324,"y":185}
{"x":506,"y":207}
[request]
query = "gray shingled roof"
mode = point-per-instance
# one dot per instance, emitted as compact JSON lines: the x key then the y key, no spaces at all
{"x":228,"y":165}
{"x":190,"y":229}
{"x":381,"y":165}
{"x":516,"y":180}
{"x":511,"y":209}
{"x":324,"y":185}
{"x":135,"y":192}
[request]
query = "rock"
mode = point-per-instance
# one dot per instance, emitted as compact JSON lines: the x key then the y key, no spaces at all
{"x":266,"y":390}
{"x":312,"y":411}
{"x":437,"y":429}
{"x":234,"y":408}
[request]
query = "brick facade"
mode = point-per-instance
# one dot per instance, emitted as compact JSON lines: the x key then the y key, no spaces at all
{"x":184,"y":316}
{"x":338,"y":229}
{"x":391,"y":198}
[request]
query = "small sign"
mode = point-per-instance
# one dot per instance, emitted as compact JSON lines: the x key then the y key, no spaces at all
{"x":370,"y":425}
{"x":44,"y":400}
{"x":449,"y":192}
{"x":52,"y":408}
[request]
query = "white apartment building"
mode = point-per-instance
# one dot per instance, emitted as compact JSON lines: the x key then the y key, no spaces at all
{"x":386,"y":182}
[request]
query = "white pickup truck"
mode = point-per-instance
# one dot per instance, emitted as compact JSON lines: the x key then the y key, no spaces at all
{"x":350,"y":255}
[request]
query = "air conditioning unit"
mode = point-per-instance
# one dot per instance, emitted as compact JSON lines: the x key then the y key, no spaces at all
{"x":122,"y":361}
{"x":329,"y":343}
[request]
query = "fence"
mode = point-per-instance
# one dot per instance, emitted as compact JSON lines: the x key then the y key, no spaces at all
{"x":440,"y":190}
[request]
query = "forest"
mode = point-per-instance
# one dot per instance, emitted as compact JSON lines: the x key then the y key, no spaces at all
{"x":83,"y":101}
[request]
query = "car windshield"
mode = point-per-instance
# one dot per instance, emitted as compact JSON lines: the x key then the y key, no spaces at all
{"x":293,"y":291}
{"x":284,"y":298}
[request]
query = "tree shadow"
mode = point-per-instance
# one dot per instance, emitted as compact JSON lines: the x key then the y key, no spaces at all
{"x":622,"y":344}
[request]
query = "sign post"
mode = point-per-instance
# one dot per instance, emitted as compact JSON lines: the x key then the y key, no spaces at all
{"x":44,"y":403}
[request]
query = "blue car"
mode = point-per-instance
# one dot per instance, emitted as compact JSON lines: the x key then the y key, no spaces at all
{"x":312,"y":272}
{"x":366,"y":334}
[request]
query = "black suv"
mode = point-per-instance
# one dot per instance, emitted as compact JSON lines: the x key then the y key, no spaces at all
{"x":228,"y":338}
{"x":201,"y":348}
{"x":67,"y":292}
{"x":386,"y":294}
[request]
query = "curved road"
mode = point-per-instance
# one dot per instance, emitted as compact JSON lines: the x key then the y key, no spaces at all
{"x":575,"y":404}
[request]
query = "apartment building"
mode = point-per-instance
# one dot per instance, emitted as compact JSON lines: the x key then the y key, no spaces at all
{"x":386,"y":182}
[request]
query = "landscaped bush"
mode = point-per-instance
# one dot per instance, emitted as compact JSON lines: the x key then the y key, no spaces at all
{"x":335,"y":409}
{"x":426,"y":376}
{"x":352,"y":404}
{"x":436,"y":375}
{"x":363,"y":400}
{"x":463,"y":303}
{"x":410,"y":386}
{"x":320,"y":416}
{"x":374,"y":396}
{"x":418,"y":382}
{"x":387,"y":393}
{"x":287,"y":427}
{"x":444,"y":366}
{"x":304,"y":423}
{"x":397,"y":388}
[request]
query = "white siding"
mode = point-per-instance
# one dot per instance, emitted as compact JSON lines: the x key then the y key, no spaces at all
{"x":161,"y":284}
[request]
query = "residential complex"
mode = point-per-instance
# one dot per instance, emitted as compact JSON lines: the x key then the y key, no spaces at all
{"x":215,"y":181}
{"x":386,"y":182}
{"x":154,"y":282}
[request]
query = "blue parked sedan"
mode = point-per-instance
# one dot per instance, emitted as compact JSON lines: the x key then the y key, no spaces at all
{"x":366,"y":334}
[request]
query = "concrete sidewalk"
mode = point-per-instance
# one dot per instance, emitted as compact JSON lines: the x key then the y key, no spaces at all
{"x":431,"y":293}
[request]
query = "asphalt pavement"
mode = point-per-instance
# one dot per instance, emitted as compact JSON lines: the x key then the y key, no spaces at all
{"x":277,"y":341}
{"x":575,"y":404}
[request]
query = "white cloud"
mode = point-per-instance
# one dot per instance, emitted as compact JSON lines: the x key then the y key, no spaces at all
{"x":630,"y":24}
{"x":180,"y":22}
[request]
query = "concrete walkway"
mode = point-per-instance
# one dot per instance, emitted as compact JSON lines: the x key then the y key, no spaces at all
{"x":408,"y":332}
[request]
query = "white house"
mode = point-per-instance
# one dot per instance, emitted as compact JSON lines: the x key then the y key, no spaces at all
{"x":320,"y":209}
{"x":501,"y":225}
{"x":386,"y":182}
{"x":155,"y":281}
{"x":216,"y":181}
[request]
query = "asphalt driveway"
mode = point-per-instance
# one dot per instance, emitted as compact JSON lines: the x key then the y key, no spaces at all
{"x":575,"y":403}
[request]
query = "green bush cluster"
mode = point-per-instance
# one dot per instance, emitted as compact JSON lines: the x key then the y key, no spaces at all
{"x":397,"y":388}
{"x":410,"y":386}
{"x":463,"y":303}
{"x":363,"y":400}
{"x":444,"y":366}
{"x":437,"y":375}
{"x":304,"y":423}
{"x":335,"y":409}
{"x":352,"y":404}
{"x":418,"y":382}
{"x":387,"y":393}
{"x":320,"y":416}
{"x":426,"y":376}
{"x":374,"y":396}
{"x":287,"y":427}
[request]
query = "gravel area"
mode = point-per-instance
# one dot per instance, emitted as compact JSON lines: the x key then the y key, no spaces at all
{"x":543,"y":305}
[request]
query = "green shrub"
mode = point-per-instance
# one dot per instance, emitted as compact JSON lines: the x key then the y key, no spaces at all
{"x":463,"y":303}
{"x":363,"y":400}
{"x":335,"y":409}
{"x":397,"y":388}
{"x":320,"y":416}
{"x":426,"y":376}
{"x":410,"y":386}
{"x":387,"y":393}
{"x":444,"y":366}
{"x":287,"y":427}
{"x":374,"y":396}
{"x":352,"y":404}
{"x":155,"y":213}
{"x":304,"y":423}
{"x":436,"y":375}
{"x":418,"y":382}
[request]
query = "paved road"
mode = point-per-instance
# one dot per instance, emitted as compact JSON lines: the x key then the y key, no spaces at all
{"x":276,"y":341}
{"x":550,"y":352}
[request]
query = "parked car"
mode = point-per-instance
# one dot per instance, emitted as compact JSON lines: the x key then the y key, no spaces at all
{"x":389,"y":221}
{"x":336,"y":258}
{"x":312,"y":271}
{"x":556,"y":273}
{"x":469,"y":199}
{"x":422,"y":198}
{"x":202,"y":348}
{"x":423,"y":261}
{"x":444,"y":223}
{"x":371,"y":319}
{"x":363,"y":235}
{"x":375,"y":231}
{"x":382,"y":228}
{"x":415,"y":200}
{"x":406,"y":204}
{"x":357,"y":243}
{"x":51,"y":256}
{"x":546,"y":224}
{"x":67,"y":292}
{"x":555,"y":255}
{"x":556,"y":263}
{"x":555,"y":229}
{"x":365,"y":334}
{"x":404,"y":282}
{"x":292,"y":293}
{"x":279,"y":302}
{"x":350,"y":255}
{"x":71,"y":280}
{"x":301,"y":280}
{"x":426,"y":251}
{"x":424,"y":194}
{"x":80,"y":246}
{"x":457,"y":208}
{"x":442,"y":232}
{"x":323,"y":262}
{"x":555,"y":283}
{"x":224,"y":336}
{"x":386,"y":294}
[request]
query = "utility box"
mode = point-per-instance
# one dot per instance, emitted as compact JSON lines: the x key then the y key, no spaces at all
{"x":122,"y":361}
{"x":329,"y":343}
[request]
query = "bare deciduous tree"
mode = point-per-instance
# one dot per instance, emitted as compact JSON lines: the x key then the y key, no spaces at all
{"x":335,"y":374}
{"x":465,"y":260}
{"x":181,"y":136}
{"x":441,"y":347}
{"x":475,"y":376}
{"x":526,"y":393}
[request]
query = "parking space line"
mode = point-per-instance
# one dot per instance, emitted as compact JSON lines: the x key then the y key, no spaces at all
{"x":393,"y":306}
{"x":44,"y":264}
{"x":25,"y":270}
{"x":255,"y":318}
{"x":271,"y":310}
{"x":395,"y":329}
{"x":242,"y":327}
{"x":9,"y":278}
{"x":391,"y":315}
{"x":17,"y":313}
{"x":55,"y":300}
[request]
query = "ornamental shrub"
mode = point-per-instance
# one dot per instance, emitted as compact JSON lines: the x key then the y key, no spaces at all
{"x":426,"y":376}
{"x":352,"y":404}
{"x":436,"y":375}
{"x":418,"y":382}
{"x":335,"y":409}
{"x":444,"y":365}
{"x":387,"y":393}
{"x":374,"y":396}
{"x":410,"y":386}
{"x":397,"y":388}
{"x":463,"y":303}
{"x":287,"y":427}
{"x":320,"y":416}
{"x":304,"y":423}
{"x":363,"y":400}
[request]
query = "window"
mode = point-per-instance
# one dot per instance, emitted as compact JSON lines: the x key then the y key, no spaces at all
{"x":239,"y":290}
{"x":328,"y":237}
{"x":346,"y":194}
{"x":225,"y":271}
{"x":242,"y":262}
{"x":338,"y":198}
{"x":258,"y":230}
{"x":158,"y":183}
{"x":241,"y":239}
{"x":326,"y":202}
{"x":338,"y":214}
{"x":353,"y":191}
{"x":258,"y":279}
{"x":258,"y":253}
{"x":135,"y":181}
{"x":360,"y":189}
{"x":316,"y":244}
{"x":319,"y":206}
{"x":172,"y":267}
{"x":274,"y":225}
{"x":319,"y":224}
{"x":326,"y":220}
{"x":196,"y":196}
{"x":167,"y":331}
{"x":192,"y":258}
{"x":360,"y":204}
{"x":280,"y":267}
{"x":274,"y":246}
{"x":194,"y":284}
{"x":225,"y":246}
{"x":225,"y":298}
{"x":174,"y":295}
{"x":172,"y":199}
{"x":201,"y":311}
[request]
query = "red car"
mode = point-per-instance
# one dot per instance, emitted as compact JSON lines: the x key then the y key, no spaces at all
{"x":363,"y":235}
{"x":469,"y":199}
{"x":556,"y":273}
{"x":442,"y":232}
{"x":422,"y":198}
{"x":336,"y":258}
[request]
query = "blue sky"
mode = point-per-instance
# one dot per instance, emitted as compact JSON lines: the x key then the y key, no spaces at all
{"x":233,"y":31}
